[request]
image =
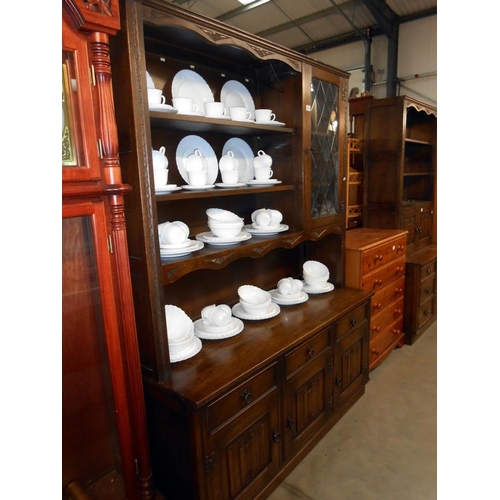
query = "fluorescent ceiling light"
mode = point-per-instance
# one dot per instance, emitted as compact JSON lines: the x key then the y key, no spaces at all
{"x":247,"y":2}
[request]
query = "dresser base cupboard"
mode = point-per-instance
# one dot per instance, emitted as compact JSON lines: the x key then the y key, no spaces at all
{"x":239,"y":416}
{"x":420,"y":292}
{"x":375,"y":261}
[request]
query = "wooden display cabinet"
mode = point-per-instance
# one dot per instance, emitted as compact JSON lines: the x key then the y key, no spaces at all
{"x":105,"y":452}
{"x":218,"y":422}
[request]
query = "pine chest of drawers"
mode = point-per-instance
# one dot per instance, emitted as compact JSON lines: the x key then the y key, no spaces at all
{"x":375,"y":261}
{"x":420,"y":292}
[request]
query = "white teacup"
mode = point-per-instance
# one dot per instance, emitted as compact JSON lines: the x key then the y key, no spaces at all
{"x":261,"y":217}
{"x":196,"y":161}
{"x":216,"y":317}
{"x":265,"y":158}
{"x":240,"y":113}
{"x":184,"y":105}
{"x":228,"y":162}
{"x":160,"y":176}
{"x":173,"y":233}
{"x":155,"y":96}
{"x":229,"y":176}
{"x":262,"y":174}
{"x":215,"y":109}
{"x":160,"y":161}
{"x":264,"y":115}
{"x":197,"y":177}
{"x":290,"y":287}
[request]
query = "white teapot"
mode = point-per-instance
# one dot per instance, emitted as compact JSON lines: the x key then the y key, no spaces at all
{"x":160,"y":161}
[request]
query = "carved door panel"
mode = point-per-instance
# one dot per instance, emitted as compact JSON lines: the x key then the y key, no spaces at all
{"x":245,"y":453}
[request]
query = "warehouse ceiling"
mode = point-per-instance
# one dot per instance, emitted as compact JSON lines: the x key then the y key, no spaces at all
{"x":309,"y":26}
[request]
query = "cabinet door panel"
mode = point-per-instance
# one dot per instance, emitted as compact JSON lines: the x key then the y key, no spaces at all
{"x":245,"y":452}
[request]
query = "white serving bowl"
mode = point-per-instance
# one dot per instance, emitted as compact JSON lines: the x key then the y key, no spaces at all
{"x":315,"y":273}
{"x":221,"y":215}
{"x":179,"y":325}
{"x":228,"y":230}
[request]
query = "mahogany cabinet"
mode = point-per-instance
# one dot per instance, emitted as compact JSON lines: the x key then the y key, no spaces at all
{"x":375,"y":260}
{"x":420,"y":292}
{"x":105,"y":451}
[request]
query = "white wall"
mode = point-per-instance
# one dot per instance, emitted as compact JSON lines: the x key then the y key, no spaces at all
{"x":417,"y":55}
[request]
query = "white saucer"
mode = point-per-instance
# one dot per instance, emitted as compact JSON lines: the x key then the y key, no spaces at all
{"x":236,"y":328}
{"x":176,"y":246}
{"x":219,"y":117}
{"x":168,"y":188}
{"x":237,"y":185}
{"x":265,"y":231}
{"x":180,"y":252}
{"x":243,"y":121}
{"x":285,"y":301}
{"x":164,"y":108}
{"x":272,"y":122}
{"x":211,"y":239}
{"x":268,"y":182}
{"x":189,"y":352}
{"x":309,"y":289}
{"x":239,"y":312}
{"x":197,"y":188}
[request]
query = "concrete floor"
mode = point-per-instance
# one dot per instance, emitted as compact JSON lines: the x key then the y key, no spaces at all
{"x":385,"y":447}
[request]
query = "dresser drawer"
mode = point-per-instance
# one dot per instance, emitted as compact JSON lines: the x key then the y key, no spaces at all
{"x":237,"y":400}
{"x":307,"y":351}
{"x":351,"y":321}
{"x":426,"y":311}
{"x":385,"y":275}
{"x":385,"y":296}
{"x":393,"y":312}
{"x":427,"y":290}
{"x":428,"y":270}
{"x":382,"y":342}
{"x":386,"y":252}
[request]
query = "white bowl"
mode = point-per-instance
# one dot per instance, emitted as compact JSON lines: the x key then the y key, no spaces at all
{"x":253,"y":295}
{"x":179,"y":324}
{"x":221,"y":215}
{"x":226,"y":230}
{"x":178,"y":348}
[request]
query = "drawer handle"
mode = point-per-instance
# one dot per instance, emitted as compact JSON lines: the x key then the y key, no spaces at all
{"x":399,"y":290}
{"x":398,"y":311}
{"x":429,"y":271}
{"x":276,"y":436}
{"x":247,"y":396}
{"x":378,"y":257}
{"x":427,"y":292}
{"x":426,"y":312}
{"x":352,"y":321}
{"x":375,"y":351}
{"x":400,"y":247}
{"x":396,"y":331}
{"x":310,"y":351}
{"x":290,"y":423}
{"x":399,"y":269}
{"x":377,"y":306}
{"x":338,"y":381}
{"x":375,"y":328}
{"x":378,"y":282}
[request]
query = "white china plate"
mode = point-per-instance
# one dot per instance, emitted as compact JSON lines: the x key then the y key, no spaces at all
{"x":244,"y":154}
{"x":255,"y":182}
{"x":187,"y":146}
{"x":164,"y":108}
{"x":176,"y":246}
{"x":265,"y":231}
{"x":285,"y":301}
{"x":168,"y":188}
{"x":271,"y":122}
{"x":314,"y":290}
{"x":197,"y":188}
{"x":180,"y":252}
{"x":189,"y":352}
{"x":234,"y":93}
{"x":211,"y":239}
{"x":151,"y":83}
{"x":236,"y":328}
{"x":237,"y":185}
{"x":188,"y":83}
{"x":239,"y":312}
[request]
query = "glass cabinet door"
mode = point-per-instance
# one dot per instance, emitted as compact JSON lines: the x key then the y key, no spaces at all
{"x":324,"y":150}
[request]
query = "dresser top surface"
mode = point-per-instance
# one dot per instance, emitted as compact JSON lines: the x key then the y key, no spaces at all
{"x":423,"y":256}
{"x":367,"y":237}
